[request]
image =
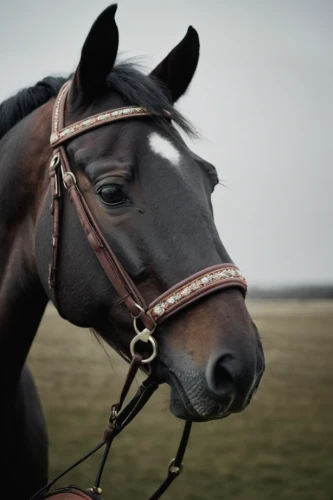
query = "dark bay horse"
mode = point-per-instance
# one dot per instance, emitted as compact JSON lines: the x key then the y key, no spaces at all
{"x":151,"y":196}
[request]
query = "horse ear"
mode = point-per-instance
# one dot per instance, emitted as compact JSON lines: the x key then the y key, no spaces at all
{"x":98,"y":55}
{"x":177,"y":69}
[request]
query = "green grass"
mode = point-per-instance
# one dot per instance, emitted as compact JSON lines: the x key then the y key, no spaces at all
{"x":280,"y":448}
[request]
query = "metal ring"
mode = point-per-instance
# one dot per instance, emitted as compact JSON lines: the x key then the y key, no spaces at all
{"x":173,"y":469}
{"x":140,"y":309}
{"x":143,"y":332}
{"x":54,"y":162}
{"x":153,"y":343}
{"x":71,"y":175}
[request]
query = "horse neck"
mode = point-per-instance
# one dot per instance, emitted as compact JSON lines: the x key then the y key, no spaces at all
{"x":24,"y":153}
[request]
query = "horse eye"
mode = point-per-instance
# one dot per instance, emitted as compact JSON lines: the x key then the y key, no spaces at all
{"x":112,"y":195}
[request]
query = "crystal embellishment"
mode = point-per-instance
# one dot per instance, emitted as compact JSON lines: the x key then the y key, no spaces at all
{"x":60,"y":135}
{"x":159,"y":309}
{"x":108,"y":116}
{"x":219,"y":276}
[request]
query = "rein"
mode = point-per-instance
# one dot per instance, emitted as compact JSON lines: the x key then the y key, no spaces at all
{"x":118,"y":420}
{"x":151,"y":315}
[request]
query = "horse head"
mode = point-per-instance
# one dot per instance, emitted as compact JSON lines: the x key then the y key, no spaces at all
{"x":151,"y":196}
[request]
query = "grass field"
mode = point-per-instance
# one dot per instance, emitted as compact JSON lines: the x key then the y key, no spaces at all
{"x":280,"y":448}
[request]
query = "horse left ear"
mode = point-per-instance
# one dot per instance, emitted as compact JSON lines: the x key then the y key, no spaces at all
{"x":177,"y":69}
{"x":98,"y":55}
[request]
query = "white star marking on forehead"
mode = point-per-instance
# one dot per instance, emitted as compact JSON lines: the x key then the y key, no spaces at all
{"x":164,"y":148}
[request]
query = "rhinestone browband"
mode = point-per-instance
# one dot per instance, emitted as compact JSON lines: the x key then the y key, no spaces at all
{"x":59,"y":136}
{"x":170,"y":302}
{"x":101,"y":119}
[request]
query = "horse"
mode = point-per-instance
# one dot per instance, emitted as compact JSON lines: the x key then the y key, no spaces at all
{"x":147,"y":215}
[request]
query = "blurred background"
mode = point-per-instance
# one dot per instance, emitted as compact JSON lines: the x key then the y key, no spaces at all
{"x":262,"y":101}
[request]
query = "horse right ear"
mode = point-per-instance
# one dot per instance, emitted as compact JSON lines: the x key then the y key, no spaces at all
{"x":177,"y":69}
{"x":98,"y":56}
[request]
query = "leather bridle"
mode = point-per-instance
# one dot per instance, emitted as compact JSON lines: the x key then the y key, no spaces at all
{"x":151,"y":315}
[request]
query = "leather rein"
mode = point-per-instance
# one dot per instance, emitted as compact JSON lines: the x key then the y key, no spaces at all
{"x":151,"y":315}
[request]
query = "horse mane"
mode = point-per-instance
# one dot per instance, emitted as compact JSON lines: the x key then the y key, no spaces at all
{"x":15,"y":108}
{"x":125,"y":78}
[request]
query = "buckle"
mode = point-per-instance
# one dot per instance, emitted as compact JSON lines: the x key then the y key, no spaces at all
{"x":173,"y":469}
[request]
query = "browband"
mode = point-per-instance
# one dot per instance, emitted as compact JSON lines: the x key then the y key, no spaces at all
{"x":60,"y":135}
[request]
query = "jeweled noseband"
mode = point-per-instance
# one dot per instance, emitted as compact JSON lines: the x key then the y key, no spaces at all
{"x":170,"y":302}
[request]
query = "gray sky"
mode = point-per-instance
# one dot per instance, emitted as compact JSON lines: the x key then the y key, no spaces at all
{"x":261,"y":98}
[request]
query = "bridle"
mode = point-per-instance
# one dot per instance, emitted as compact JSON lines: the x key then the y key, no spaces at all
{"x":151,"y":315}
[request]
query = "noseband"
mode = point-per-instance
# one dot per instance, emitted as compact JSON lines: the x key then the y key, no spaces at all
{"x":151,"y":315}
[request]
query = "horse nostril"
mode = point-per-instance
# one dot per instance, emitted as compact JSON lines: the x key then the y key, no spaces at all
{"x":220,"y":379}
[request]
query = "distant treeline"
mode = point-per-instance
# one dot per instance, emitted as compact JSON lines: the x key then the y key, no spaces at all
{"x":292,"y":292}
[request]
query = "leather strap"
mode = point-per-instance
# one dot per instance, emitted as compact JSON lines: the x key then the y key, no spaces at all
{"x":176,"y":465}
{"x":39,"y":495}
{"x":198,"y":285}
{"x":72,"y":492}
{"x":61,"y":134}
{"x":118,"y":422}
{"x":124,"y":286}
{"x":55,"y":212}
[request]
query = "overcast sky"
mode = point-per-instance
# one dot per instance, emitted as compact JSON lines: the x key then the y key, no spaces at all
{"x":261,"y":98}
